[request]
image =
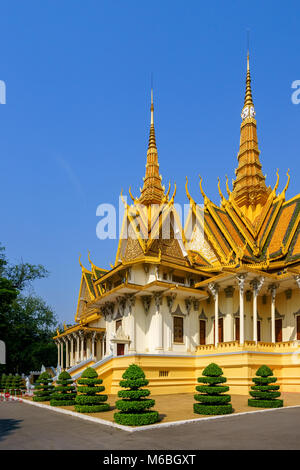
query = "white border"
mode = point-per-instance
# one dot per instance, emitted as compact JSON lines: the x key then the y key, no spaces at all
{"x":151,"y":426}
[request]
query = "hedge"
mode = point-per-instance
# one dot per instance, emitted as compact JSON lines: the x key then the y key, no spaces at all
{"x":64,"y":393}
{"x":134,"y":407}
{"x":265,"y":395}
{"x":212,"y":399}
{"x":43,"y":388}
{"x":90,"y":400}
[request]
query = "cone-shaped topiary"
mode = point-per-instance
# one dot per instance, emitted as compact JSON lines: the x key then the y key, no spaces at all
{"x":64,"y":393}
{"x":90,"y":400}
{"x":8,"y":383}
{"x":18,"y":384}
{"x":134,"y":407}
{"x":43,"y":388}
{"x":265,"y":395}
{"x":212,"y":399}
{"x":3,"y":382}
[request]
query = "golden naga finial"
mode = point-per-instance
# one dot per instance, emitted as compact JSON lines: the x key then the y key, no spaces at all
{"x":57,"y":331}
{"x":89,"y":258}
{"x":282,"y":195}
{"x":172,"y":198}
{"x":227,"y":187}
{"x":202,"y":192}
{"x":277,"y":181}
{"x":223,"y":200}
{"x":123,"y":200}
{"x":80,"y":262}
{"x":65,"y":326}
{"x":192,"y":202}
{"x":166,"y":196}
{"x":134,"y":200}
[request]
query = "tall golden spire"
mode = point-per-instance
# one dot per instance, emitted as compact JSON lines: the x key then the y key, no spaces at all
{"x":153,"y":191}
{"x":249,"y":188}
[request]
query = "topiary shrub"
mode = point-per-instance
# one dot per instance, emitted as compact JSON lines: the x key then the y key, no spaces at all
{"x":64,"y":393}
{"x":3,"y":382}
{"x":8,"y":383}
{"x":90,"y":400}
{"x":265,"y":395}
{"x":134,"y":407}
{"x":212,"y":399}
{"x":18,"y":384}
{"x":43,"y":388}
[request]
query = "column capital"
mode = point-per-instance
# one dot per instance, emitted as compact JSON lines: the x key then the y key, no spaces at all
{"x":297,"y":279}
{"x":214,"y":289}
{"x":257,"y":284}
{"x":241,"y":281}
{"x":157,"y":299}
{"x":272,"y":288}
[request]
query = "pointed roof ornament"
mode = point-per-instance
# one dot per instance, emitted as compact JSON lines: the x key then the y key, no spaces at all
{"x":152,"y":191}
{"x":249,"y":191}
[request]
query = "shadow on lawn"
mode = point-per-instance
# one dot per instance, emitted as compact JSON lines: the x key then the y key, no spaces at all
{"x":8,"y":426}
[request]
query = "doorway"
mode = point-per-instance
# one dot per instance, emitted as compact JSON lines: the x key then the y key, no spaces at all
{"x":120,"y":349}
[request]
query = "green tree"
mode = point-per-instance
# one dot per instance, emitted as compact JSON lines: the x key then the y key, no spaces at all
{"x":43,"y":388}
{"x":265,"y":394}
{"x":90,"y":400}
{"x":64,"y":393}
{"x":27,"y":323}
{"x":134,"y":407}
{"x":213,"y":400}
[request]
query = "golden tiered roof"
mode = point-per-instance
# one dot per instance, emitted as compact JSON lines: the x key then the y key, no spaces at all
{"x":255,"y":226}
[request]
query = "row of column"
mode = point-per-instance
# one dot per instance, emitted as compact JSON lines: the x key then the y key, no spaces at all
{"x":256,"y":285}
{"x":74,"y":342}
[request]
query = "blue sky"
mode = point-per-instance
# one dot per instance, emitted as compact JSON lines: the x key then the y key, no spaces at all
{"x":75,"y":126}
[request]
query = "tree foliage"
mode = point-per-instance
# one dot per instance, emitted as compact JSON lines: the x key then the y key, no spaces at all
{"x":27,"y":323}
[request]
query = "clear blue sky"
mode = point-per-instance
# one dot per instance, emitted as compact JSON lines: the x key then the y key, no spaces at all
{"x":75,"y":127}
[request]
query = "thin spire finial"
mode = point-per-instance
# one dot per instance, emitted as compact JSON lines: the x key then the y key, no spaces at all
{"x":152,"y":105}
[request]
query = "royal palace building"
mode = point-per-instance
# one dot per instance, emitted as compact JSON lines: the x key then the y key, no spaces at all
{"x":225,"y":288}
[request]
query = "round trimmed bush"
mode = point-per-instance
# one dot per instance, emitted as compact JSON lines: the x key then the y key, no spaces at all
{"x":212,"y":399}
{"x":90,"y":400}
{"x":43,"y":388}
{"x":265,"y":395}
{"x":134,"y":407}
{"x":64,"y":393}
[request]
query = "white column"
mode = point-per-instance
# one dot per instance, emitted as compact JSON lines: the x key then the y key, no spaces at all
{"x":58,"y":353}
{"x":93,"y":339}
{"x":67,"y":352}
{"x":88,"y":346}
{"x":273,"y":295}
{"x":241,"y":281}
{"x":256,"y":285}
{"x":77,"y":348}
{"x":214,"y":289}
{"x":72,"y":351}
{"x":62,"y":354}
{"x":159,"y":322}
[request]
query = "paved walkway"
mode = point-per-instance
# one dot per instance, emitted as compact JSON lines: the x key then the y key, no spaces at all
{"x":27,"y":427}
